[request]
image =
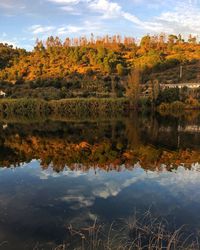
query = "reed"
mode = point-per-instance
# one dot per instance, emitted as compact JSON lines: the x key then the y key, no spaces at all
{"x":66,"y":107}
{"x":137,"y":233}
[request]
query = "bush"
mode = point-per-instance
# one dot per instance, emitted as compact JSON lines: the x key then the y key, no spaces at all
{"x":164,"y":106}
{"x":168,"y":96}
{"x":144,"y":103}
{"x":177,"y":106}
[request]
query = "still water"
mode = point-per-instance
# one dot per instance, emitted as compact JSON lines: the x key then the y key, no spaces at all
{"x":60,"y":174}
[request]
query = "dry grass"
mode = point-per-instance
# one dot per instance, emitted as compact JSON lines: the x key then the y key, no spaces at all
{"x":137,"y":233}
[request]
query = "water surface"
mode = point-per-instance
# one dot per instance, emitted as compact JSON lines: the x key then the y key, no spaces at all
{"x":59,"y":173}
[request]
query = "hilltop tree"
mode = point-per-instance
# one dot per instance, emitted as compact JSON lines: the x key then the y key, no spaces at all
{"x":39,"y":47}
{"x":145,"y":44}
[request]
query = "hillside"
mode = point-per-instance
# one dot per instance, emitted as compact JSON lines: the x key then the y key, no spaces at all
{"x":190,"y":73}
{"x":95,"y":67}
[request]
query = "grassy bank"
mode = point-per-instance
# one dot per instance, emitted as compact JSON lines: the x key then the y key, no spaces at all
{"x":82,"y":107}
{"x":65,"y":107}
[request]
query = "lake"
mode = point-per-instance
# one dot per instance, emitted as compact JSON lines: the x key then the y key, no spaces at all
{"x":61,"y":179}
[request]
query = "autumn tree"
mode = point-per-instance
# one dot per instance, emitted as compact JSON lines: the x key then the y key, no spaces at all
{"x":145,"y":44}
{"x":133,"y":87}
{"x":120,"y":69}
{"x":69,"y":62}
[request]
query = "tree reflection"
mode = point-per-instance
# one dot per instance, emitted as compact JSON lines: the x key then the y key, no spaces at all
{"x":151,"y":140}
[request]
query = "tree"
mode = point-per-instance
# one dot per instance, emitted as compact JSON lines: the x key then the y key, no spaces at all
{"x":39,"y":46}
{"x":192,"y":39}
{"x":145,"y":44}
{"x":120,"y":69}
{"x":168,"y":96}
{"x":172,"y":39}
{"x":107,"y":56}
{"x":133,"y":87}
{"x":155,"y":90}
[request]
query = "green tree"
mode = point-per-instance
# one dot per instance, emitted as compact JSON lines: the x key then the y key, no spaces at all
{"x":168,"y":96}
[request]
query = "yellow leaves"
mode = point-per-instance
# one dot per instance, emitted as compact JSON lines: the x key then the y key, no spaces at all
{"x":61,"y":152}
{"x":83,"y":146}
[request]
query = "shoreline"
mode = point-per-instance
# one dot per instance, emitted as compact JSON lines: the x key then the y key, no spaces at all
{"x":85,"y":107}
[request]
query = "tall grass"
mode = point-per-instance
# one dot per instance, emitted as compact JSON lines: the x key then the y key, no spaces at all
{"x":65,"y":107}
{"x":144,"y":232}
{"x":25,"y":107}
{"x":89,"y":106}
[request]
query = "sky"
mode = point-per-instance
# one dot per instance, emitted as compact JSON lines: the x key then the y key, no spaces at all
{"x":23,"y":21}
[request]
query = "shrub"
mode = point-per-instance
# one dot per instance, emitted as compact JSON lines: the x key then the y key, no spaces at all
{"x":144,"y":103}
{"x":177,"y":105}
{"x":164,"y":106}
{"x":168,"y":96}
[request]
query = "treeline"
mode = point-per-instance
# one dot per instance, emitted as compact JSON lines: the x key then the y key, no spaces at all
{"x":54,"y":58}
{"x":95,"y":67}
{"x":118,"y":55}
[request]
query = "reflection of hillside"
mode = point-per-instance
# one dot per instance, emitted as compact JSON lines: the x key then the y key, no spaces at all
{"x":150,"y":140}
{"x":59,"y":152}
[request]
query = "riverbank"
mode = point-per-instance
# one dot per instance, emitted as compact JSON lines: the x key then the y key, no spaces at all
{"x":84,"y":107}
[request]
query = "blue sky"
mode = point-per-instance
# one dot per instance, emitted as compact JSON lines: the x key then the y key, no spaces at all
{"x":22,"y":21}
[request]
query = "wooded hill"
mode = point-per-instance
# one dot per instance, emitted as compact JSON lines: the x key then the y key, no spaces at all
{"x":95,"y":67}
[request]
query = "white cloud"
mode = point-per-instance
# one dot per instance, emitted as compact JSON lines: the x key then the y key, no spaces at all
{"x":183,"y":19}
{"x":151,"y":26}
{"x":39,"y":29}
{"x":78,"y":201}
{"x":86,"y":28}
{"x":180,"y":17}
{"x":71,"y":10}
{"x":69,"y":29}
{"x":178,"y":183}
{"x":110,"y":9}
{"x":107,"y":8}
